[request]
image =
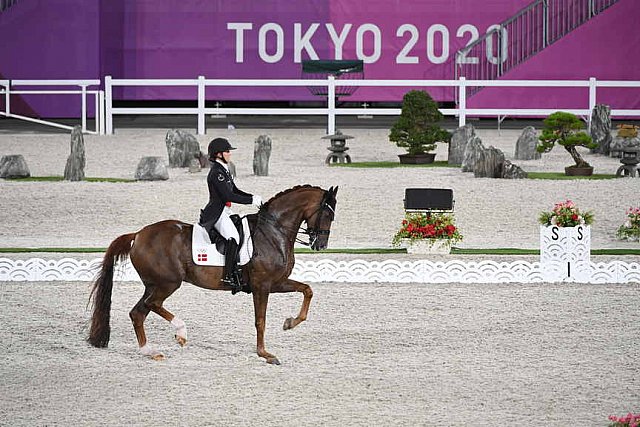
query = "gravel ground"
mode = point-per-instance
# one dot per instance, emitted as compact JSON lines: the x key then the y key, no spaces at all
{"x":549,"y":354}
{"x":374,"y":354}
{"x":490,"y":213}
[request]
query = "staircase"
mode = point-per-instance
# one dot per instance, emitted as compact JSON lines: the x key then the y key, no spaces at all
{"x":520,"y":37}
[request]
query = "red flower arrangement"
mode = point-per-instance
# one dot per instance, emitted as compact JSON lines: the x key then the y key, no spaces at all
{"x":419,"y":226}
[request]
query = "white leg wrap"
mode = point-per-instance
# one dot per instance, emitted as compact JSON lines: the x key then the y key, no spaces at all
{"x":147,"y":350}
{"x":181,"y":327}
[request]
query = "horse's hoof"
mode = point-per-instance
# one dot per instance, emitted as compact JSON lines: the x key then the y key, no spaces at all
{"x":273,"y":361}
{"x":151,"y":353}
{"x":288,"y":324}
{"x":181,"y":340}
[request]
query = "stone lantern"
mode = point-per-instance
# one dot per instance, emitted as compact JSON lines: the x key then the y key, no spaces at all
{"x":338,"y":148}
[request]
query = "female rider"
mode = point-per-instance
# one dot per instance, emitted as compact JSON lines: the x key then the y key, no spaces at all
{"x":223,"y":191}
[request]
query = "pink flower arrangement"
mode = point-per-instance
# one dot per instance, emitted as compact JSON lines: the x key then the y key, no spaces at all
{"x":566,"y":214}
{"x":629,"y":420}
{"x":630,"y":230}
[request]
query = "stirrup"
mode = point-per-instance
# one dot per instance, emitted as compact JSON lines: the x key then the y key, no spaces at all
{"x":235,"y":281}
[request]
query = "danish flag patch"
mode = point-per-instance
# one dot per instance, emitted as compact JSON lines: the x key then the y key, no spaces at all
{"x":202,"y":257}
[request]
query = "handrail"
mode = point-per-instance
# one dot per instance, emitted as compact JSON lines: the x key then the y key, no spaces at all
{"x":331,"y":111}
{"x":516,"y":39}
{"x":83,"y":92}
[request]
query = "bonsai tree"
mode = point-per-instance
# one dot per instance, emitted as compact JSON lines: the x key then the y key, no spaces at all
{"x":564,"y":128}
{"x":416,"y":130}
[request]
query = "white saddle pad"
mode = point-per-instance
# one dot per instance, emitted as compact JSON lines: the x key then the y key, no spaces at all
{"x":205,"y":253}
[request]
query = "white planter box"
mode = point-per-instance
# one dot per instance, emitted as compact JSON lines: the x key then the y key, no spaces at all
{"x":565,"y":253}
{"x":429,"y":246}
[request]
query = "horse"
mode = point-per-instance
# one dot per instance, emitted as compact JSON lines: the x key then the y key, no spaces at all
{"x":161,"y":254}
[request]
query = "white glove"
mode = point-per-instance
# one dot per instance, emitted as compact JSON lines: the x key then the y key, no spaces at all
{"x":256,"y":201}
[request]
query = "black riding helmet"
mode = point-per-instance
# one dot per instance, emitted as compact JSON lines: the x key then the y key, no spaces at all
{"x":218,"y":145}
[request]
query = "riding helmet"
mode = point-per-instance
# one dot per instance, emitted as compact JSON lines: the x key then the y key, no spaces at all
{"x":219,"y":145}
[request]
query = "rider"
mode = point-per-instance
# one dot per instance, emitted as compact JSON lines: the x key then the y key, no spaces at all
{"x":222,"y":191}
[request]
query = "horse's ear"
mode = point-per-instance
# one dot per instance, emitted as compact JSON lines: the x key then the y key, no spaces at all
{"x":335,"y":190}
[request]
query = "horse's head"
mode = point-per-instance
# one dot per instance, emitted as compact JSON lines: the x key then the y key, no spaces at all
{"x":320,"y":219}
{"x":287,"y":210}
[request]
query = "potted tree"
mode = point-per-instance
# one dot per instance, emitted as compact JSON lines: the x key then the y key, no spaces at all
{"x":564,"y":128}
{"x":416,"y":130}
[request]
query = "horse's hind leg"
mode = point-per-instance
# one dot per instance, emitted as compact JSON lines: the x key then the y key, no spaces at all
{"x":152,"y":301}
{"x":138,"y":315}
{"x":293,"y":286}
{"x":155,"y":301}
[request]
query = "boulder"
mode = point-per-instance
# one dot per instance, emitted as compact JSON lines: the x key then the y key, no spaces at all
{"x":600,"y":128}
{"x":195,"y":166}
{"x":474,"y":146}
{"x":151,"y":169}
{"x":511,"y":171}
{"x":14,"y":166}
{"x":261,"y":154}
{"x":489,"y":163}
{"x":526,"y":145}
{"x":459,"y":140}
{"x":74,"y":169}
{"x":181,"y":148}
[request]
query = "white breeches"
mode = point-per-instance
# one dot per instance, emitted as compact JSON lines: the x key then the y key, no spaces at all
{"x":225,"y":226}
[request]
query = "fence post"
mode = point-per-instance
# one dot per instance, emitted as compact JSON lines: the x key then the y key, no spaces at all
{"x":84,"y":108}
{"x":101,"y":110}
{"x":592,"y":97}
{"x":331,"y":105}
{"x":201,"y":105}
{"x":108,"y":116}
{"x":462,"y":102}
{"x":7,"y":98}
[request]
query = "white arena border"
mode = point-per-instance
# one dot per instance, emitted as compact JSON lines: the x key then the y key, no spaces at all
{"x":326,"y":270}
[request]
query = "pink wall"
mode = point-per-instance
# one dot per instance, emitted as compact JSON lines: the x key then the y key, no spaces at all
{"x":607,"y":48}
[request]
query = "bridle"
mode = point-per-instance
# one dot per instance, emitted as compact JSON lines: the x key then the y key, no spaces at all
{"x":313,"y":232}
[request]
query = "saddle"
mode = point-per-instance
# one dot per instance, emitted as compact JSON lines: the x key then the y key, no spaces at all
{"x":220,"y":242}
{"x":208,"y":248}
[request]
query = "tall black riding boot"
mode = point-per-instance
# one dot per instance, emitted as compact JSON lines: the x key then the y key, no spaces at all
{"x":230,"y":265}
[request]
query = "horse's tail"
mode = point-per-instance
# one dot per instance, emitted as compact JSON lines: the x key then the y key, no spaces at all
{"x":100,"y":330}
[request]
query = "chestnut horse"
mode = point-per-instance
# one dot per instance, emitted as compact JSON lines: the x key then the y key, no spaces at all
{"x":161,"y":254}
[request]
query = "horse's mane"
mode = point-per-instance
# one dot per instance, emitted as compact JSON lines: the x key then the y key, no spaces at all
{"x":297,"y":187}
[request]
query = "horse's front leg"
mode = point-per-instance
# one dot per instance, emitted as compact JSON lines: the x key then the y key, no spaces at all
{"x":293,"y":286}
{"x":260,"y":300}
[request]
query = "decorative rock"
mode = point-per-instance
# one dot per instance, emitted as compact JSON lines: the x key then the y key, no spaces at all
{"x":474,"y":146}
{"x":261,"y":154}
{"x":14,"y":166}
{"x":74,"y":169}
{"x":181,"y":148}
{"x":459,"y":140}
{"x":489,"y":163}
{"x":203,"y":160}
{"x":600,"y":128}
{"x":511,"y":171}
{"x":151,"y":169}
{"x":194,"y":166}
{"x":620,"y":144}
{"x":526,"y":145}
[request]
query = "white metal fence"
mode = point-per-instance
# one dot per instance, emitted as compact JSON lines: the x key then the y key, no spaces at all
{"x":12,"y":87}
{"x":331,"y":111}
{"x":105,"y":111}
